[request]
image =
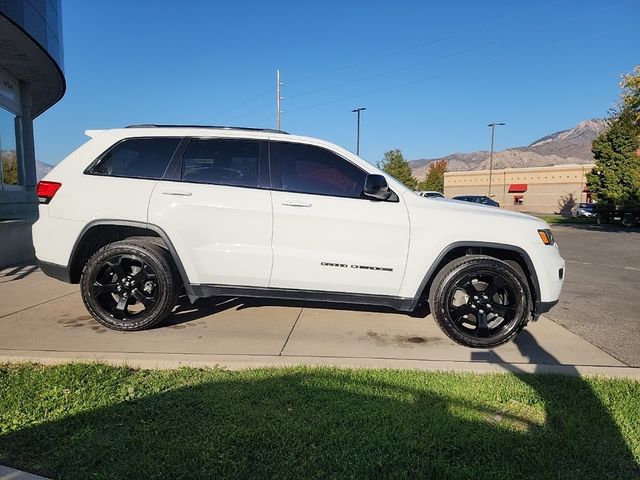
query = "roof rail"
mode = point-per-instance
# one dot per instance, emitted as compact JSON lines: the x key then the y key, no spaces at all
{"x":217,"y":127}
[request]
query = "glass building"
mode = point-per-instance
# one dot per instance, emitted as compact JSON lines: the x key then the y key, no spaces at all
{"x":31,"y":81}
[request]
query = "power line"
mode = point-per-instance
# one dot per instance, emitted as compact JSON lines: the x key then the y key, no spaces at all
{"x":404,"y":67}
{"x":376,"y":75}
{"x":418,"y":46}
{"x":380,"y":74}
{"x":222,"y":112}
{"x":414,"y":82}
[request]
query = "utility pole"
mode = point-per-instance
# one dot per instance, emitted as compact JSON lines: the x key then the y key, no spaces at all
{"x":278,"y":99}
{"x":493,"y":134}
{"x":357,"y":112}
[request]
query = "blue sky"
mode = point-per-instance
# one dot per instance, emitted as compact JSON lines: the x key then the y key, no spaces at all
{"x":431,"y":74}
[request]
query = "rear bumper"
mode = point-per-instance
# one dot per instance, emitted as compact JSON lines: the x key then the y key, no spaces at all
{"x":544,"y":307}
{"x":58,"y":272}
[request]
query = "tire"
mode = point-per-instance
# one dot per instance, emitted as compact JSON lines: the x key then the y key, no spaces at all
{"x":129,"y":285}
{"x":480,"y":301}
{"x":629,"y":220}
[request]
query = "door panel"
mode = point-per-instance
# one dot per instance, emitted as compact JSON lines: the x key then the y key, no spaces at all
{"x":338,"y":244}
{"x":222,"y":233}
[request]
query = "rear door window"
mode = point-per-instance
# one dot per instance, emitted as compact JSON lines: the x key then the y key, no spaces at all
{"x":137,"y":158}
{"x":222,"y":162}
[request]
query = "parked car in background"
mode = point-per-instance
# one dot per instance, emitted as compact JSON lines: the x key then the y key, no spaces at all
{"x":583,"y":210}
{"x":482,"y":199}
{"x":627,"y":215}
{"x":431,"y":194}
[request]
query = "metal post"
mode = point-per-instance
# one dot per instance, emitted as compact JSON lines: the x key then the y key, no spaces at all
{"x":357,"y":112}
{"x":504,"y":187}
{"x":493,"y":133}
{"x":278,"y":99}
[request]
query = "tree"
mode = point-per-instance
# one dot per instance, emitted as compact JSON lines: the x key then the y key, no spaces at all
{"x":434,"y":180}
{"x":395,"y":165}
{"x":9,"y":167}
{"x":616,"y":176}
{"x":631,"y":92}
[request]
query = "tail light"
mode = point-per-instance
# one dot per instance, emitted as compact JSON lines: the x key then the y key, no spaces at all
{"x":46,"y":190}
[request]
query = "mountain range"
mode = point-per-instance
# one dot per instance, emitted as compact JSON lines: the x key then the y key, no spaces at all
{"x":42,"y":169}
{"x":563,"y":147}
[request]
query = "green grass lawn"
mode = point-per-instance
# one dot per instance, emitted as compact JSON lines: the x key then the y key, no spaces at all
{"x":552,"y":219}
{"x":96,"y":421}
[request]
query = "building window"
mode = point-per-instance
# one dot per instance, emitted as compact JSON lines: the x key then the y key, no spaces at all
{"x":11,"y":175}
{"x":518,"y":199}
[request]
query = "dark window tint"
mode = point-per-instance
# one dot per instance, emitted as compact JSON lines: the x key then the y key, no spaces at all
{"x":309,"y":169}
{"x":138,"y":157}
{"x":222,"y":162}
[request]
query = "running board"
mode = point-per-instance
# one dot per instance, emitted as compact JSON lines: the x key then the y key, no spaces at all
{"x":397,"y":303}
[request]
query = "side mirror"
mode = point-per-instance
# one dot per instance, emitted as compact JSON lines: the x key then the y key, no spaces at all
{"x":376,"y":187}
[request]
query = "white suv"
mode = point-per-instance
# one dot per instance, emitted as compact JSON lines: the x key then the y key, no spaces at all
{"x":135,"y":215}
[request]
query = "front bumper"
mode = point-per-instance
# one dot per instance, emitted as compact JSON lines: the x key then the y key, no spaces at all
{"x":551,"y":271}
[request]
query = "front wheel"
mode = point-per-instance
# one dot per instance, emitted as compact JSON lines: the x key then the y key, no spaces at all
{"x":480,"y":301}
{"x":629,"y":220}
{"x":129,"y":285}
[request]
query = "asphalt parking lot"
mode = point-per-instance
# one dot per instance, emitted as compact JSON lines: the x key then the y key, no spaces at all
{"x":600,"y":299}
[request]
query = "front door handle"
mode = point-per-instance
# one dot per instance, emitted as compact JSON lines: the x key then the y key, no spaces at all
{"x":293,"y":203}
{"x":179,"y":193}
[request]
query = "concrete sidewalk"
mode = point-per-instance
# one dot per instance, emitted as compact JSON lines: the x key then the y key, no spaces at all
{"x":7,"y":473}
{"x":43,"y":320}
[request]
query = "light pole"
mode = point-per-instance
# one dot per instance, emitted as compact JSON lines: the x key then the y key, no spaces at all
{"x":357,"y":111}
{"x":493,"y":134}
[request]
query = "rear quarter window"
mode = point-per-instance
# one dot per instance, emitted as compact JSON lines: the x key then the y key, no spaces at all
{"x":137,"y":158}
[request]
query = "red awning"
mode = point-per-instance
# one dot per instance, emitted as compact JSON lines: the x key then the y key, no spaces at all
{"x":517,"y":188}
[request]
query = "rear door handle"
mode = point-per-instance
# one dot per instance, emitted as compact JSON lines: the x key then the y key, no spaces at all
{"x":179,"y":193}
{"x":293,"y":203}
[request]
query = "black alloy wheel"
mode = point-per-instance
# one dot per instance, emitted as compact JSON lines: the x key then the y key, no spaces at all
{"x":129,"y":285}
{"x":480,"y":301}
{"x":125,"y":286}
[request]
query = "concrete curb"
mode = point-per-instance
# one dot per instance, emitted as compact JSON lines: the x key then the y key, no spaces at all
{"x":7,"y":473}
{"x":241,"y":362}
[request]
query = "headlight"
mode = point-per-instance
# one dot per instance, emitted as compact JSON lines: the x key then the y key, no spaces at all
{"x":546,"y":236}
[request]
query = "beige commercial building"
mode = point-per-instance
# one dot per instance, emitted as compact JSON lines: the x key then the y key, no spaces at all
{"x":553,"y":189}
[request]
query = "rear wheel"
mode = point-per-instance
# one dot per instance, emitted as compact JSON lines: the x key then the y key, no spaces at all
{"x":480,"y":301}
{"x":129,"y":285}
